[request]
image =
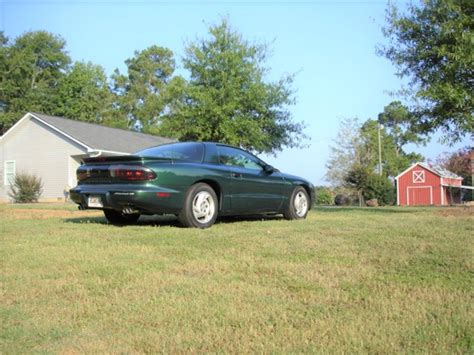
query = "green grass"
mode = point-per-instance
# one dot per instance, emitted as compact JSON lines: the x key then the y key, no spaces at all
{"x":384,"y":280}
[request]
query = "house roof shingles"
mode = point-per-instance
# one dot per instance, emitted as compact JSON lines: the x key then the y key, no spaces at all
{"x":99,"y":137}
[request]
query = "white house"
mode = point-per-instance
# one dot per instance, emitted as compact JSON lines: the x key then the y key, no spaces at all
{"x":52,"y":148}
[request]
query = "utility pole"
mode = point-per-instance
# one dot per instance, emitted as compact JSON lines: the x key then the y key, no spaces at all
{"x":380,"y":127}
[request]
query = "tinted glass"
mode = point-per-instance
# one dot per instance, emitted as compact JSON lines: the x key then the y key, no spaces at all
{"x":180,"y":151}
{"x":236,"y":157}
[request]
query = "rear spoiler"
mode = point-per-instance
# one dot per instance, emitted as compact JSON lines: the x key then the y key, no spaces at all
{"x":122,"y":159}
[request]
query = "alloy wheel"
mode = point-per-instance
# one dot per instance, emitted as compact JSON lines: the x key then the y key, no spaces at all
{"x":203,"y":207}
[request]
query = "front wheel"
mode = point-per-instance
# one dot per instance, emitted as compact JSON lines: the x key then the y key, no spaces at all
{"x":299,"y":204}
{"x":116,"y":217}
{"x":200,"y":207}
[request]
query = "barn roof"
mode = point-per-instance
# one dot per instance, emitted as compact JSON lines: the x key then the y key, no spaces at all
{"x":445,"y":173}
{"x":95,"y":137}
{"x":434,"y":169}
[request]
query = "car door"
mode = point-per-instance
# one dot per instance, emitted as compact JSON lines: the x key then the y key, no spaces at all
{"x":252,"y":190}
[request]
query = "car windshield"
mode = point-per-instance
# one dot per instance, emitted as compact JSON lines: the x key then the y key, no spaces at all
{"x":192,"y":152}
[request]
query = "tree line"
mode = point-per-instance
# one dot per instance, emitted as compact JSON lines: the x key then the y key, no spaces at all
{"x":227,"y":97}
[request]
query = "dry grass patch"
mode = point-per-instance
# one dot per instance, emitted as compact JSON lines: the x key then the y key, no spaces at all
{"x":460,"y":211}
{"x":43,"y":214}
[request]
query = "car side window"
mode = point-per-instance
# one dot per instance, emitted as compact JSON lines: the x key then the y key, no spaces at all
{"x":235,"y":157}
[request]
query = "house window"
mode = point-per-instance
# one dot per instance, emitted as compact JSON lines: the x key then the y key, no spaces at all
{"x":419,"y":176}
{"x":9,"y":174}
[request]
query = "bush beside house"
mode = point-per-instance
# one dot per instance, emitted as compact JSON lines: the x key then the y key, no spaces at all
{"x":26,"y":188}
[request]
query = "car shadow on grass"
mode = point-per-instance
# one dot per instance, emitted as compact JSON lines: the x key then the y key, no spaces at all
{"x":170,"y":221}
{"x":252,"y":218}
{"x":143,"y":221}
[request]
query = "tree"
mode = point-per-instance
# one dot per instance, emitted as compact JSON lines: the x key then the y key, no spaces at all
{"x":344,"y":152}
{"x":358,"y":178}
{"x":147,"y":93}
{"x":31,"y":69}
{"x":395,"y":119}
{"x":459,"y":162}
{"x":380,"y":188}
{"x":228,"y":100}
{"x":394,"y":158}
{"x":83,"y":94}
{"x":370,"y":185}
{"x":432,"y":45}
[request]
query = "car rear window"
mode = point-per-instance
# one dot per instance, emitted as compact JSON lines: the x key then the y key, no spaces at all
{"x":192,"y":152}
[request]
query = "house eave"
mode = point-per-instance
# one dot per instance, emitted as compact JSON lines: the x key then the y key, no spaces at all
{"x":33,"y":116}
{"x":62,"y":132}
{"x":12,"y":128}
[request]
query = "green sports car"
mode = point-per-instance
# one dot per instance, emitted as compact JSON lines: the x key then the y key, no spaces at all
{"x":193,"y":180}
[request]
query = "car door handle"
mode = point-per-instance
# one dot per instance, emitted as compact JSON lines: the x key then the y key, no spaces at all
{"x":236,"y":175}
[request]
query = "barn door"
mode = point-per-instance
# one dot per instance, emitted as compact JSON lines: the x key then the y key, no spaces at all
{"x":419,"y":196}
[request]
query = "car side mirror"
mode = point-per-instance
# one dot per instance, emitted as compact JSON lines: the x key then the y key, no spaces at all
{"x":268,"y":169}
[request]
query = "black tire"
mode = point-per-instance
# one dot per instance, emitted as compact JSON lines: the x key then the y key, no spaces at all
{"x":298,"y":205}
{"x":200,"y":207}
{"x":118,"y":218}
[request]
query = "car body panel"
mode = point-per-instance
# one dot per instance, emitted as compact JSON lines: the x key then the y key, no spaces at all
{"x":255,"y":191}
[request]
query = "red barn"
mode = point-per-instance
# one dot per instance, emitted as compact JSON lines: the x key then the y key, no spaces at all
{"x":422,"y":184}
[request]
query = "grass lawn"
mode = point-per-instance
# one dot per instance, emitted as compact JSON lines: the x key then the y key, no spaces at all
{"x":348,"y":280}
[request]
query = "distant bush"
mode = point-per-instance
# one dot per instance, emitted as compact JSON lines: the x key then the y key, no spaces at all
{"x":342,"y":200}
{"x":324,"y":196}
{"x":26,"y":188}
{"x":381,"y":189}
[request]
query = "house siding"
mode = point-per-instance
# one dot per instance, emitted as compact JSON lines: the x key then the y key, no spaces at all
{"x":38,"y":149}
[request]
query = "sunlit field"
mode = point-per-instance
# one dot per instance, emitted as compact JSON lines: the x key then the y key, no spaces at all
{"x":348,"y":280}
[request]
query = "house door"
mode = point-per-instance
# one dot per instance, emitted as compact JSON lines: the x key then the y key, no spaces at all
{"x":419,"y":196}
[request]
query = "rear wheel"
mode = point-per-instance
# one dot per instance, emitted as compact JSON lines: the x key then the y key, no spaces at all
{"x":200,"y":207}
{"x":116,"y":217}
{"x":299,"y":204}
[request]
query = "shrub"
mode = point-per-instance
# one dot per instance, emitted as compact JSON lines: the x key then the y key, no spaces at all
{"x":380,"y":188}
{"x":324,"y":196}
{"x":342,"y":200}
{"x":26,"y":188}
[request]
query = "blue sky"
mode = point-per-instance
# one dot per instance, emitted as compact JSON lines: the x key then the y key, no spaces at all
{"x":329,"y":44}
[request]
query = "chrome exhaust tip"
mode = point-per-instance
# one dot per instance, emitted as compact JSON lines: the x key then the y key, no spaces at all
{"x":129,"y":210}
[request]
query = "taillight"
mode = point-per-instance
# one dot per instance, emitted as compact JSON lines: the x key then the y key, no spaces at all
{"x":131,"y":173}
{"x":81,"y":175}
